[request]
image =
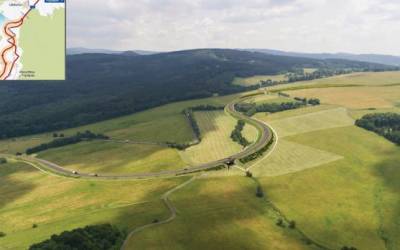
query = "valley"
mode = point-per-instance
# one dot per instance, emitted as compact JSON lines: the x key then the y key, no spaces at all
{"x":336,"y":181}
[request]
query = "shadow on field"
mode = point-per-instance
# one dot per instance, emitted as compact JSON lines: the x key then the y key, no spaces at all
{"x":207,"y":121}
{"x":388,"y":205}
{"x":12,"y":188}
{"x":218,"y":213}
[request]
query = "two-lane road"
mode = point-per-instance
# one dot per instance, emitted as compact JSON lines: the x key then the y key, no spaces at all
{"x":265,"y":136}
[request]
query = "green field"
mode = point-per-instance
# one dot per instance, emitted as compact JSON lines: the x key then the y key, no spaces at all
{"x":353,"y":201}
{"x":391,"y":78}
{"x":250,"y":81}
{"x":165,"y":123}
{"x":331,"y":118}
{"x":338,"y":182}
{"x":220,"y":213}
{"x":216,"y":128}
{"x":56,"y":204}
{"x":269,"y":98}
{"x":309,"y":70}
{"x":290,"y":157}
{"x":114,"y":157}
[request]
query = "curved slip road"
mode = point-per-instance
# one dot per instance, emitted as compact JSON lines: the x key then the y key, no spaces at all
{"x":265,"y":136}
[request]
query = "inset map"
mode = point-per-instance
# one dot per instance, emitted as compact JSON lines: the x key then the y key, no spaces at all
{"x":32,"y":42}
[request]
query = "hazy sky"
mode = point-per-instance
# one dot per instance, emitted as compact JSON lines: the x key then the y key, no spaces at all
{"x":360,"y":26}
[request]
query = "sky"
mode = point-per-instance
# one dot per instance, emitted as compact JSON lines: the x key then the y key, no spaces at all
{"x":356,"y":26}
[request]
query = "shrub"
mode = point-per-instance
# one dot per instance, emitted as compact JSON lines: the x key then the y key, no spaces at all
{"x":259,"y":192}
{"x":2,"y":235}
{"x":292,"y":224}
{"x":348,"y":248}
{"x":280,"y":223}
{"x":249,"y":174}
{"x":3,"y":160}
{"x":34,"y":226}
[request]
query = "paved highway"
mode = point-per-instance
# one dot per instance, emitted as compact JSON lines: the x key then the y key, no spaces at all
{"x":265,"y":136}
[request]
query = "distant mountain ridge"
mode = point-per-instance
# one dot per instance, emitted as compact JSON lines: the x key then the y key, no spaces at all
{"x":81,"y":50}
{"x":372,"y":58}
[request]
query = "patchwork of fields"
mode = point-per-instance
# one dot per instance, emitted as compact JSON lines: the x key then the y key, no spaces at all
{"x":338,"y":182}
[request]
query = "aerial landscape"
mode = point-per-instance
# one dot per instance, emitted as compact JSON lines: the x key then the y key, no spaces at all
{"x":206,"y":146}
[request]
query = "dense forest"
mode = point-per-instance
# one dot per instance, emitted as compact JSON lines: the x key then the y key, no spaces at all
{"x":60,"y":142}
{"x":99,"y":237}
{"x":384,"y":124}
{"x":101,"y":86}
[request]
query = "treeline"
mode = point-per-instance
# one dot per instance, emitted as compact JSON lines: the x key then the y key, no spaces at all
{"x":259,"y":153}
{"x":384,"y":124}
{"x":237,"y":135}
{"x":188,"y":113}
{"x":250,"y":109}
{"x":207,"y":108}
{"x":60,"y":142}
{"x":318,"y":74}
{"x":298,"y":75}
{"x":101,"y":87}
{"x":99,"y":237}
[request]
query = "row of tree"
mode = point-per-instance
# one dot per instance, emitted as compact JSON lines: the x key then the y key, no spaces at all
{"x":193,"y":123}
{"x":189,"y":114}
{"x":257,"y":154}
{"x":311,"y":101}
{"x":98,"y":237}
{"x":207,"y":108}
{"x":237,"y":135}
{"x":250,"y":109}
{"x":384,"y":124}
{"x":60,"y":142}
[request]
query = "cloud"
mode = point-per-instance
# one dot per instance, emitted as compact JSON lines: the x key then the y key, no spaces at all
{"x":361,"y":26}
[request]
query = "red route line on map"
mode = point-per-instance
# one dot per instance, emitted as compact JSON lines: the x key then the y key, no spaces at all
{"x":11,"y":40}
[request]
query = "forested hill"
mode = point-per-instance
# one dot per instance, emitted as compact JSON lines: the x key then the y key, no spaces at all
{"x":103,"y":86}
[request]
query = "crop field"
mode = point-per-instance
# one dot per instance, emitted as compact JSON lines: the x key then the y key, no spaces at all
{"x":262,"y":98}
{"x":337,"y":182}
{"x":165,"y":123}
{"x":324,"y":119}
{"x":353,"y":201}
{"x":216,"y":128}
{"x":356,"y":79}
{"x":114,"y":157}
{"x":290,"y":157}
{"x":56,"y":204}
{"x":220,"y":213}
{"x":309,"y":70}
{"x":250,"y":81}
{"x":293,"y":113}
{"x":354,"y":97}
